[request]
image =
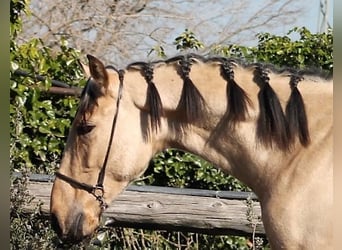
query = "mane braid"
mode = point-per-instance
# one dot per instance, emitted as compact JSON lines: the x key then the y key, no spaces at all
{"x":238,"y":101}
{"x":296,"y":114}
{"x":112,"y":67}
{"x":271,"y":124}
{"x":153,"y":97}
{"x":191,"y":99}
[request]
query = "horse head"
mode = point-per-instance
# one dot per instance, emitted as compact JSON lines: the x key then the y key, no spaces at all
{"x":98,"y":161}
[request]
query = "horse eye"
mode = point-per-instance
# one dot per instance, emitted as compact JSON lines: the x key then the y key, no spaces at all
{"x":84,"y":128}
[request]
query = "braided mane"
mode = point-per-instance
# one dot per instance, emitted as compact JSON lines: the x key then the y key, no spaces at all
{"x":274,"y":126}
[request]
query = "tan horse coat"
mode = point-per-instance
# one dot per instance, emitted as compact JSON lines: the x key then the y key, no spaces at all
{"x":294,"y":185}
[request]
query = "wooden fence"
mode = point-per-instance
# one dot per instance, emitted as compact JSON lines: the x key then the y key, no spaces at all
{"x":165,"y":208}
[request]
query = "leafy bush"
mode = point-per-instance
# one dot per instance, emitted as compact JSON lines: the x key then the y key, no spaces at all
{"x":187,"y":40}
{"x":40,"y":121}
{"x":176,"y":168}
{"x":308,"y":51}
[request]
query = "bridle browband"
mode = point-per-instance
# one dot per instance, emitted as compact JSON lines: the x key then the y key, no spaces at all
{"x":98,"y":189}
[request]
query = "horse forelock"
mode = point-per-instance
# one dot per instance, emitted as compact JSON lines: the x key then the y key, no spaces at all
{"x":90,"y":94}
{"x":88,"y":99}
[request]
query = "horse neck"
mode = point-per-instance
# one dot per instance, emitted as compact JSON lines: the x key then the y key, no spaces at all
{"x":236,"y":151}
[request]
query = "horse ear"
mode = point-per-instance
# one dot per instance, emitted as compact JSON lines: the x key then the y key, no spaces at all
{"x":85,"y":68}
{"x":98,"y":71}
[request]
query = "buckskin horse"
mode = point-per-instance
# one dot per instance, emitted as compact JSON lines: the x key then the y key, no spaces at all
{"x":270,"y":128}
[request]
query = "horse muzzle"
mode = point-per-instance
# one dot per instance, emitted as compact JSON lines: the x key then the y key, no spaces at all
{"x":75,"y":229}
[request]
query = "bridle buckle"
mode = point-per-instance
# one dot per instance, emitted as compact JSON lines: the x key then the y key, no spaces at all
{"x":98,"y":192}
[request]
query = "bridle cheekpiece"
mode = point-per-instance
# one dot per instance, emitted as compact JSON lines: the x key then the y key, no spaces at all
{"x":98,"y":190}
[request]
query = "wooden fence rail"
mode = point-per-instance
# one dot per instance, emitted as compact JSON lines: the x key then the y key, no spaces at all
{"x":58,"y":87}
{"x":163,"y":208}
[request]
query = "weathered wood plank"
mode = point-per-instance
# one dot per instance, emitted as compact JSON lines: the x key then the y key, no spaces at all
{"x":163,"y":190}
{"x":163,"y":211}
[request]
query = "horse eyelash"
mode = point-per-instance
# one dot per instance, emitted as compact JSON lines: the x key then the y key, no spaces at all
{"x":85,"y":128}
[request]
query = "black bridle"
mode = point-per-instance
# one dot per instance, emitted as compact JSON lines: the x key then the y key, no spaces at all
{"x":98,"y":189}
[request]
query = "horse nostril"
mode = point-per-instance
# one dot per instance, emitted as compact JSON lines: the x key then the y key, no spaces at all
{"x":55,"y":225}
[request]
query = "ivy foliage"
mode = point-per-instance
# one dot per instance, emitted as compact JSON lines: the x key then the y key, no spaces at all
{"x":17,"y":8}
{"x":39,"y":121}
{"x":176,"y":168}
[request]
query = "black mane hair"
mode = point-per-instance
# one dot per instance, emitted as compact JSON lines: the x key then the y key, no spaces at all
{"x":271,"y":124}
{"x":275,"y":128}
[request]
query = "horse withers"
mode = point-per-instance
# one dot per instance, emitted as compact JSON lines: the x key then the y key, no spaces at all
{"x":270,"y":128}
